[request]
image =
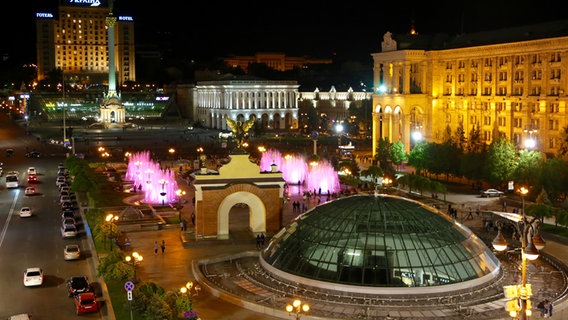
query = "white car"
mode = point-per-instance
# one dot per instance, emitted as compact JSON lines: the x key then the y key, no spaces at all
{"x":33,"y":277}
{"x":68,"y":231}
{"x":25,"y":212}
{"x":71,"y":252}
{"x":32,"y":170}
{"x":30,"y":191}
{"x":491,"y":193}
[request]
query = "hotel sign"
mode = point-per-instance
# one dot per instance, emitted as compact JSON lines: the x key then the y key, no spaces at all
{"x":90,"y":3}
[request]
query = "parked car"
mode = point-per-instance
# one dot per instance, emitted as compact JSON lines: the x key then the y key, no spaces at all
{"x":78,"y":284}
{"x":491,"y":193}
{"x":69,"y":231}
{"x":20,"y":316}
{"x":85,"y":303}
{"x":69,"y":221}
{"x":67,"y":213}
{"x":25,"y":212}
{"x":71,"y":252}
{"x":33,"y":277}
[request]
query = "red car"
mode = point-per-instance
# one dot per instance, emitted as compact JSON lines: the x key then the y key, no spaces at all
{"x":85,"y":303}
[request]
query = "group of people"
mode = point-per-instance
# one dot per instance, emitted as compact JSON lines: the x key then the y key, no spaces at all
{"x":260,"y":241}
{"x":545,"y":308}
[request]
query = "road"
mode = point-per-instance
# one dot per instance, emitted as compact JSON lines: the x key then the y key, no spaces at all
{"x":35,"y":241}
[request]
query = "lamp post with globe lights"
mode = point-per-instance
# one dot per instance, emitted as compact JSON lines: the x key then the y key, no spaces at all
{"x":187,"y":292}
{"x":134,"y":259}
{"x":297,"y":308}
{"x":519,"y":305}
{"x":112,"y":229}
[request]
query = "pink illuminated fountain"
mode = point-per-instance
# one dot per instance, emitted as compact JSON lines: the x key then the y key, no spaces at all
{"x":319,"y":176}
{"x":159,"y":186}
{"x":323,"y":177}
{"x":269,"y":157}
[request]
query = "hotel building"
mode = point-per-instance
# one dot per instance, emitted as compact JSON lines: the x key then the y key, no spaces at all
{"x":75,"y":41}
{"x":505,"y":83}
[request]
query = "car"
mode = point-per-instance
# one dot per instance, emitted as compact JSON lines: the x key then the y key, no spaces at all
{"x":68,"y":204}
{"x":78,"y":284}
{"x":68,"y":231}
{"x":64,"y":197}
{"x":60,"y":166}
{"x":60,"y":180}
{"x":33,"y":277}
{"x":30,"y":191}
{"x":9,"y":152}
{"x":69,"y":221}
{"x":85,"y":303}
{"x":71,"y":252}
{"x":32,"y":170}
{"x":25,"y":212}
{"x":67,"y":213}
{"x":32,"y":178}
{"x":491,"y":193}
{"x":33,"y":154}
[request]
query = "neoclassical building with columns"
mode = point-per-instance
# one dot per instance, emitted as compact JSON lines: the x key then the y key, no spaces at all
{"x":505,"y":83}
{"x":273,"y":103}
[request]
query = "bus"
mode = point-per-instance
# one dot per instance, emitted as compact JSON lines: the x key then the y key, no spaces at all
{"x":12,"y":180}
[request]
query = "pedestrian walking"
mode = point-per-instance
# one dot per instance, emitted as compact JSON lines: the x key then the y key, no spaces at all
{"x":262,"y":238}
{"x":193,"y":218}
{"x":155,"y":248}
{"x":163,"y":246}
{"x":258,"y":241}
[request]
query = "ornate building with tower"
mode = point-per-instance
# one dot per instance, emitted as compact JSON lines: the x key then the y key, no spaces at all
{"x":505,"y":83}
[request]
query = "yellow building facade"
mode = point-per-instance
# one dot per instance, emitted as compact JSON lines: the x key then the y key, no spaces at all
{"x":508,"y":83}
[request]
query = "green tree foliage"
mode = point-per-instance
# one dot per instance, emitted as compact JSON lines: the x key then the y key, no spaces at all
{"x":417,"y":156}
{"x":501,"y":162}
{"x":144,"y":294}
{"x":528,"y":167}
{"x":373,"y":171}
{"x":114,"y":267}
{"x":383,"y":157}
{"x":476,"y":144}
{"x":554,"y":178}
{"x":472,"y":165}
{"x":397,"y":154}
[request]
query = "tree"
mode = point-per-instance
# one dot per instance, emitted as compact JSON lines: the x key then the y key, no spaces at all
{"x":528,"y":167}
{"x":397,"y":154}
{"x":417,"y":156}
{"x":383,"y":157}
{"x":501,"y":162}
{"x":373,"y":171}
{"x":114,"y":267}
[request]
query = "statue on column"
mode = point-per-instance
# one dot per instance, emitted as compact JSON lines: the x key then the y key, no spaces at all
{"x":240,"y":129}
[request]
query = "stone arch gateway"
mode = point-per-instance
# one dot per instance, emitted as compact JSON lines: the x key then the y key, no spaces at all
{"x":239,"y":181}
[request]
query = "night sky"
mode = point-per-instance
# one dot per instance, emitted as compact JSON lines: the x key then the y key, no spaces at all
{"x":351,"y":30}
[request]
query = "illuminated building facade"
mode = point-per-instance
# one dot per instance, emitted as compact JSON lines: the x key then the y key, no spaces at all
{"x":273,"y":103}
{"x":505,"y":83}
{"x":274,"y":60}
{"x":75,"y":41}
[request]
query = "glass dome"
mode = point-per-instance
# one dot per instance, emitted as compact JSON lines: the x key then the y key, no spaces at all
{"x":379,"y":241}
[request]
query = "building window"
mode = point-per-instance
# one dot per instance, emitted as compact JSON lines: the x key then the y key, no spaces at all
{"x":502,"y":121}
{"x":502,"y":91}
{"x":553,"y":124}
{"x":487,"y":91}
{"x":517,"y":122}
{"x":554,"y":107}
{"x":486,"y":120}
{"x":461,"y":64}
{"x":552,"y":142}
{"x":487,"y":77}
{"x":488,"y":62}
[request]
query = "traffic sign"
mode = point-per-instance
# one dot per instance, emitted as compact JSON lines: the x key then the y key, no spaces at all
{"x":128,"y":286}
{"x":129,"y":295}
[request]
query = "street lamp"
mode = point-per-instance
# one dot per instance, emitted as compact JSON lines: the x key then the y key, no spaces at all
{"x":186,"y":291}
{"x":172,"y":151}
{"x":296,"y":308}
{"x":110,"y":220}
{"x":531,"y":243}
{"x":134,"y":259}
{"x":386,"y":182}
{"x":530,"y":142}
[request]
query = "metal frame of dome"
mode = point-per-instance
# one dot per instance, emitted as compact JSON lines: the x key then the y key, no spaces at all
{"x":379,"y":244}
